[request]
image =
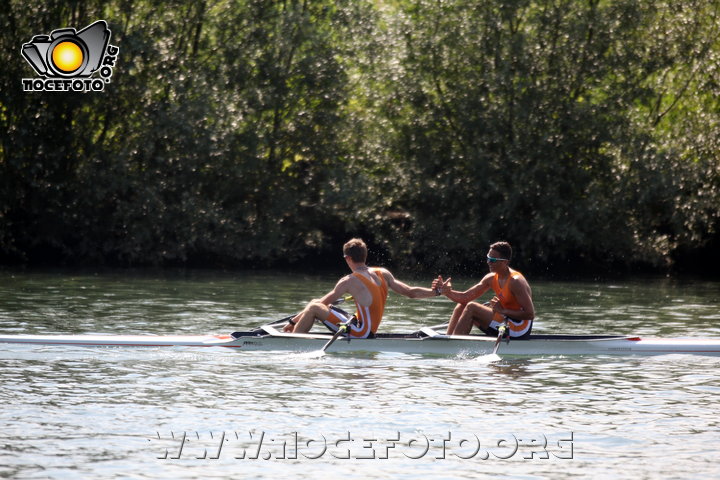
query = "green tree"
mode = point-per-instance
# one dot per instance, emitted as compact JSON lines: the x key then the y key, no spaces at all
{"x":519,"y":123}
{"x":259,"y":132}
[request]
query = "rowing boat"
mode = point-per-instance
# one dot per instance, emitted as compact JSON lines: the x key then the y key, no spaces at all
{"x":427,"y":340}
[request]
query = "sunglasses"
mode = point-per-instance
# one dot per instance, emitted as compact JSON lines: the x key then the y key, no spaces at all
{"x":493,"y":259}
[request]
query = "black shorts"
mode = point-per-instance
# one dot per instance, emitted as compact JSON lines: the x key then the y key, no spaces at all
{"x":493,"y":332}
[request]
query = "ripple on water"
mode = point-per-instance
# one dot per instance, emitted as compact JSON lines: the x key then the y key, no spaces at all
{"x":73,"y":412}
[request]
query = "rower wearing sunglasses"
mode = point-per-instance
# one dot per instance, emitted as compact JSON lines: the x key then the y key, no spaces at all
{"x":512,"y":302}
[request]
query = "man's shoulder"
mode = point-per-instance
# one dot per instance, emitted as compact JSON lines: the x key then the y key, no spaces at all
{"x":346,"y":279}
{"x":485,"y":282}
{"x":382,"y":271}
{"x":517,"y":278}
{"x":487,"y":278}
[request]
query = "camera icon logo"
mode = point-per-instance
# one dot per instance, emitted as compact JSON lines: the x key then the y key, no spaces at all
{"x":68,"y":54}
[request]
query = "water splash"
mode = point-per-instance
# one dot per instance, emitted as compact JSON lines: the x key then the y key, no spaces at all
{"x":489,"y":358}
{"x":311,"y":355}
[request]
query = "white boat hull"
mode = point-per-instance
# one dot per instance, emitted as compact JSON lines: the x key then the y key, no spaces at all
{"x":424,"y":342}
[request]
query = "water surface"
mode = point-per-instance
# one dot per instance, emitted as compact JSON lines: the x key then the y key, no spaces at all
{"x":74,"y":412}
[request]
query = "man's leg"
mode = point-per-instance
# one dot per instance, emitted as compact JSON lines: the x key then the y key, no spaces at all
{"x":459,"y":308}
{"x":305,"y":319}
{"x":472,"y":313}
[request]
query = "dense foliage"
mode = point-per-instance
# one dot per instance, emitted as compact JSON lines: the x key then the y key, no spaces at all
{"x":251,"y":132}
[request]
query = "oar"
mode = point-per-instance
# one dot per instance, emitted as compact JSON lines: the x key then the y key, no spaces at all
{"x":290,"y":317}
{"x":494,"y":357}
{"x":341,"y":329}
{"x":501,"y":332}
{"x":320,"y":353}
{"x":286,"y":319}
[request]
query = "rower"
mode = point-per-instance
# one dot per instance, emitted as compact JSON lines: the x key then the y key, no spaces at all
{"x":512,"y":301}
{"x":369,"y":288}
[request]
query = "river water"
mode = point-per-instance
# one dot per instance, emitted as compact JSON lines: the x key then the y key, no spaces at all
{"x":74,"y":412}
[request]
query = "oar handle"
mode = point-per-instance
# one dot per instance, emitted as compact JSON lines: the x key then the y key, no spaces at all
{"x":503,"y":332}
{"x":502,"y":329}
{"x":343,"y":328}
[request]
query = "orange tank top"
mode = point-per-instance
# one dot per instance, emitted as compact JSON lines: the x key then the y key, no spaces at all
{"x":508,"y":300}
{"x":370,"y":316}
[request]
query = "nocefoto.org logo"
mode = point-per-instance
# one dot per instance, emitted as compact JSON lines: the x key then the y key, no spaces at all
{"x":67,"y":59}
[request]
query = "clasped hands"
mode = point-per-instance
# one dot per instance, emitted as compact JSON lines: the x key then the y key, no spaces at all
{"x":442,"y":287}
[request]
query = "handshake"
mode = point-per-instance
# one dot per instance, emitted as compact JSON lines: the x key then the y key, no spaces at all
{"x":442,"y":287}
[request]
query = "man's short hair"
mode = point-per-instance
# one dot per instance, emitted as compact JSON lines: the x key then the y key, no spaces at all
{"x":503,"y":248}
{"x":356,"y":250}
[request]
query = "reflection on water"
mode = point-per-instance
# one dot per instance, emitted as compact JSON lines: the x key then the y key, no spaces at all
{"x":73,"y":412}
{"x":514,"y":368}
